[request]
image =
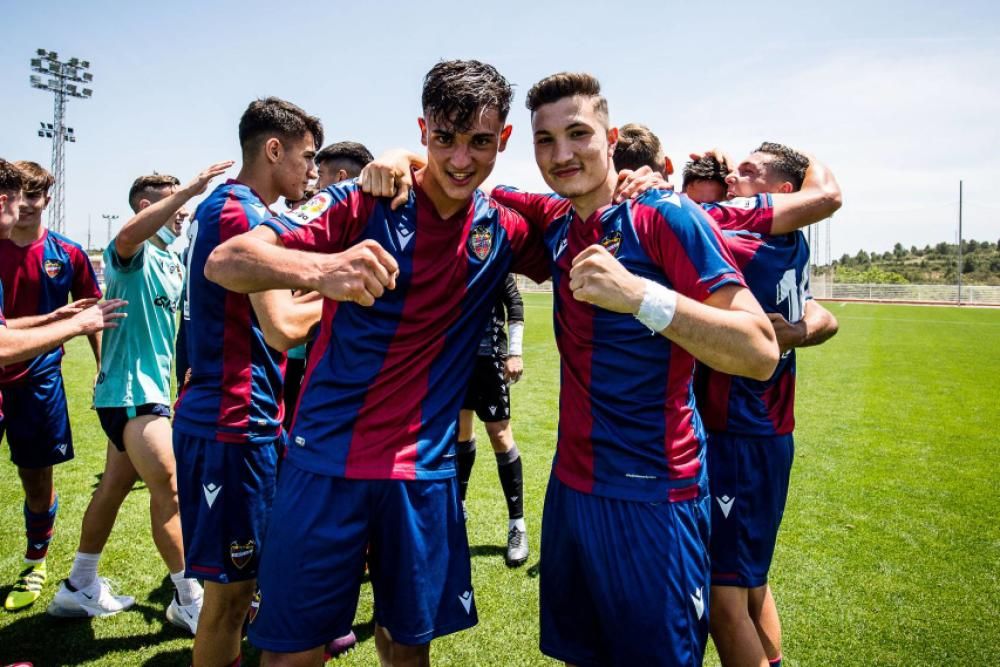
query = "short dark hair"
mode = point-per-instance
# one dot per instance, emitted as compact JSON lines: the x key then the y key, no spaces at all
{"x":36,"y":179}
{"x":638,"y":147}
{"x":351,"y":152}
{"x":273,"y":116}
{"x":11,"y":178}
{"x":456,"y":91}
{"x":567,"y":84}
{"x":705,"y":168}
{"x":786,"y":163}
{"x":143,"y":185}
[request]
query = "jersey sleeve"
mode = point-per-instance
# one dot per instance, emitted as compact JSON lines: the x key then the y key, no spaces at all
{"x":686,"y":245}
{"x":538,"y":210}
{"x":85,"y":285}
{"x":752,"y":214}
{"x":530,"y":256}
{"x":512,"y":300}
{"x":328,"y":222}
{"x":124,"y":265}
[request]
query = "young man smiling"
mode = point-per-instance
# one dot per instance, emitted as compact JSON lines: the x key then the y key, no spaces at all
{"x":371,"y":452}
{"x":624,"y":565}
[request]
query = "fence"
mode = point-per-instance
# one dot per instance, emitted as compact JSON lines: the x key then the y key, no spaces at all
{"x":982,"y":295}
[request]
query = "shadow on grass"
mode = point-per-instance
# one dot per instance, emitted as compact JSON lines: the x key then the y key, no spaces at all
{"x":135,"y":487}
{"x":487,"y":550}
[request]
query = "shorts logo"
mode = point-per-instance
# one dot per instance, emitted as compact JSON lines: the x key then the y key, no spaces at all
{"x":466,"y":600}
{"x":699,"y":603}
{"x":314,"y":208}
{"x":254,"y":606}
{"x":493,"y":410}
{"x":62,"y":447}
{"x":211,"y":493}
{"x":53,"y":267}
{"x":241,"y":554}
{"x":725,"y":504}
{"x":612,"y":241}
{"x":481,"y":241}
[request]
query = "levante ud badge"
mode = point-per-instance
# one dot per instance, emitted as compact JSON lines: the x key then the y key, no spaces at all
{"x":254,"y":606}
{"x":612,"y":241}
{"x":53,"y":267}
{"x":241,"y":554}
{"x":481,"y":241}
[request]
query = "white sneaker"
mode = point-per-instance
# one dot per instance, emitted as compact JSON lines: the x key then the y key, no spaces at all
{"x":185,"y":615}
{"x":95,"y":600}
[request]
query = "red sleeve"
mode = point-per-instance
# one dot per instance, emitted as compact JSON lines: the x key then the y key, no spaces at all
{"x":530,"y":256}
{"x":752,"y":214}
{"x":85,"y":283}
{"x":329,"y":222}
{"x":538,"y":210}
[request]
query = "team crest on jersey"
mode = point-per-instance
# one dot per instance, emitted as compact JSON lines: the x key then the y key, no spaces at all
{"x":612,"y":241}
{"x":53,"y":267}
{"x":254,"y":606}
{"x":481,"y":241}
{"x":241,"y":554}
{"x":314,"y":208}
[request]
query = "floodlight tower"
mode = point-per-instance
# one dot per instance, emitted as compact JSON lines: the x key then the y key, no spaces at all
{"x":63,"y":84}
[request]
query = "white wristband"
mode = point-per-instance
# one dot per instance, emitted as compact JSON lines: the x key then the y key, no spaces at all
{"x":659,"y":304}
{"x":516,"y":338}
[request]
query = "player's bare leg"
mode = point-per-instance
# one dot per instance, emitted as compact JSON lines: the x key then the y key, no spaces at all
{"x":117,"y":481}
{"x":764,"y":613}
{"x":220,"y":629}
{"x":733,"y":631}
{"x":394,"y":654}
{"x":39,"y":493}
{"x":311,"y":658}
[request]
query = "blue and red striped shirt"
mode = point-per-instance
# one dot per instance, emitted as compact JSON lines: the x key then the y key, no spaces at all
{"x":39,"y":278}
{"x":383,"y":384}
{"x":628,"y":427}
{"x":776,"y":268}
{"x":3,"y":323}
{"x":235,"y":390}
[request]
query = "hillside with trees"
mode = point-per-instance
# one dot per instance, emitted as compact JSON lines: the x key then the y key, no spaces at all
{"x":930,"y":265}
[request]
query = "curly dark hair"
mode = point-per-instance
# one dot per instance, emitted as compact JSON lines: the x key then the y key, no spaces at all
{"x":638,"y":147}
{"x":786,"y":163}
{"x":274,"y":117}
{"x":705,"y":168}
{"x":351,"y":152}
{"x":143,"y":185}
{"x":567,"y":84}
{"x":457,"y":91}
{"x":11,"y":178}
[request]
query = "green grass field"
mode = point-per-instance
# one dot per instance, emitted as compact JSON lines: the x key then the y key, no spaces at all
{"x":889,"y":553}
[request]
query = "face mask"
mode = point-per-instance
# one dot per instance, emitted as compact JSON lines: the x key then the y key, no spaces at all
{"x":166,"y":235}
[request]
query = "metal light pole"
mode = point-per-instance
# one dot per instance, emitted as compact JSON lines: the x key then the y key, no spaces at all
{"x":960,"y":243}
{"x":63,"y":84}
{"x":109,"y":219}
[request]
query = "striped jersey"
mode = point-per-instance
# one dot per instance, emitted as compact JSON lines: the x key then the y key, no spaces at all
{"x":628,"y":427}
{"x":234,"y":393}
{"x":384,"y":384}
{"x":39,"y":278}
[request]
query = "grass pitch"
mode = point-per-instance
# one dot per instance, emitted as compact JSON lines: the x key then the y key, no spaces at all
{"x":889,"y":553}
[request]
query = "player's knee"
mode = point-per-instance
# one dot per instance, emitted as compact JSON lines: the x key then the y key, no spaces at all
{"x":501,"y":437}
{"x":728,"y":606}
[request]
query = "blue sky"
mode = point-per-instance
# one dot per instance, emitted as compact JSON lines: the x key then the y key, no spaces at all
{"x":901,"y":99}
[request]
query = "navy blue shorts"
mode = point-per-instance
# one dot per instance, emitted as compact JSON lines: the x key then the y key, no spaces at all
{"x":113,"y":420}
{"x":314,"y":560}
{"x":623,"y":582}
{"x":37,"y":421}
{"x":748,"y":479}
{"x":225,"y":491}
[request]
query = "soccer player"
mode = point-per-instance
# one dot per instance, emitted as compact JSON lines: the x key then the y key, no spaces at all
{"x":132,"y":398}
{"x":39,"y":270}
{"x":497,"y":366}
{"x":371,"y":453}
{"x":705,"y":180}
{"x":227,"y":424}
{"x":638,"y":147}
{"x":772,"y":193}
{"x":624,"y":563}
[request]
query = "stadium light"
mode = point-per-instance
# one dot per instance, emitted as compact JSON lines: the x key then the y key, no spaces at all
{"x":63,"y":85}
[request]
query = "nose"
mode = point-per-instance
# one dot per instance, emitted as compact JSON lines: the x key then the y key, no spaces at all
{"x":461,"y":157}
{"x":563,"y":151}
{"x":730,"y":179}
{"x":313,"y":171}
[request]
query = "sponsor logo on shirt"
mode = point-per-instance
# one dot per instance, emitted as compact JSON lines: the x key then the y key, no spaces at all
{"x":241,"y":554}
{"x":165,"y":302}
{"x":481,"y":241}
{"x":313,"y":208}
{"x":53,"y":267}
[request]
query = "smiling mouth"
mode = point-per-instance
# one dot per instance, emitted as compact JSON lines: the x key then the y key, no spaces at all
{"x":460,"y":177}
{"x":566,"y":172}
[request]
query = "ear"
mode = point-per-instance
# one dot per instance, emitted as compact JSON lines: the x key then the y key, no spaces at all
{"x":423,"y":131}
{"x":342,"y":175}
{"x":612,"y":141}
{"x":504,"y":136}
{"x":273,"y":149}
{"x":785,"y":187}
{"x":668,"y":166}
{"x":143,"y":203}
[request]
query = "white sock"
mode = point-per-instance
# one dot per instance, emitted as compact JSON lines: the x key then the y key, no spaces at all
{"x":517,"y":523}
{"x":84,"y":571}
{"x":188,"y":590}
